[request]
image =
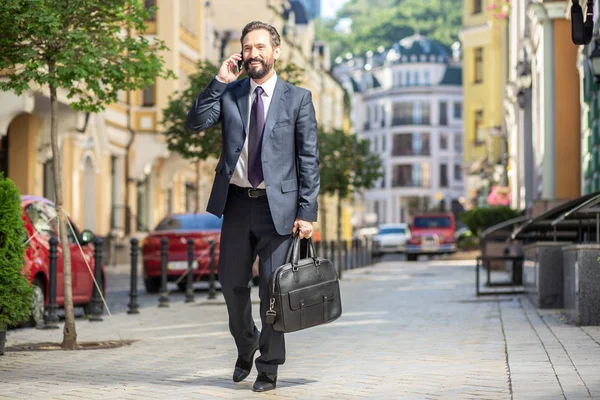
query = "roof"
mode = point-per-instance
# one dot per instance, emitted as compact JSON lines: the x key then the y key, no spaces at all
{"x":300,"y":14}
{"x":453,"y":76}
{"x":502,"y":231}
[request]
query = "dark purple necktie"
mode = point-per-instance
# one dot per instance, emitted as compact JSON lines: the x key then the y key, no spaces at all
{"x":257,"y":124}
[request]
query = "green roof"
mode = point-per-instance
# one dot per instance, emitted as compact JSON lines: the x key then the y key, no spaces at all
{"x":453,"y":76}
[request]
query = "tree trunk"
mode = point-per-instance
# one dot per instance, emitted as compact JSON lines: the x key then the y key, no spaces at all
{"x":69,"y":333}
{"x":339,"y":236}
{"x":197,"y":187}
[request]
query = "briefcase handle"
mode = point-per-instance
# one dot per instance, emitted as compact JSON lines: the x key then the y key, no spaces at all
{"x":293,"y":254}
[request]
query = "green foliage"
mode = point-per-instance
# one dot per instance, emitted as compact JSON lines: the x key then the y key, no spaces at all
{"x":479,"y":219}
{"x":189,"y":144}
{"x":80,"y":46}
{"x":15,"y":291}
{"x":347,"y":164}
{"x":382,"y":22}
{"x":291,"y":73}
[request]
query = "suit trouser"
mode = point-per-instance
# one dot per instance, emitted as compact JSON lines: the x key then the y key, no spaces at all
{"x":248,"y":230}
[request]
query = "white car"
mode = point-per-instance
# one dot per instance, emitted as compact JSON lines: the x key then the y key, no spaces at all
{"x":391,"y":238}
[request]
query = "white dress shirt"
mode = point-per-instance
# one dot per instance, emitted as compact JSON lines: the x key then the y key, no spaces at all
{"x":240,"y":175}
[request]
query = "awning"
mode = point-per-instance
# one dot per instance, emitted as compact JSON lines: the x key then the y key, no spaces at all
{"x":575,"y":220}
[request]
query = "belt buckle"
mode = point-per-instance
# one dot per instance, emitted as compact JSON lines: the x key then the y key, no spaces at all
{"x":250,"y":194}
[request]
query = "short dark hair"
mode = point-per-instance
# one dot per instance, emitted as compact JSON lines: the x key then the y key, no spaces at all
{"x":255,"y":25}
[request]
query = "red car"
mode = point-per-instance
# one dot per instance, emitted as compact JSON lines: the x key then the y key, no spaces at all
{"x":178,"y":228}
{"x":431,"y":234}
{"x":41,"y":224}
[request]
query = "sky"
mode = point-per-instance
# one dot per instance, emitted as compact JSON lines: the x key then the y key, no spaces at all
{"x":329,"y":7}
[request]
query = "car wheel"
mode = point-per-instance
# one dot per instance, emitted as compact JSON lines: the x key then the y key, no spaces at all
{"x":152,"y":285}
{"x":38,"y":300}
{"x":412,"y":257}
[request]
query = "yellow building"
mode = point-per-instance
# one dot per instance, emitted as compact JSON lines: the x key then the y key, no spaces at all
{"x":484,"y":71}
{"x":298,"y":46}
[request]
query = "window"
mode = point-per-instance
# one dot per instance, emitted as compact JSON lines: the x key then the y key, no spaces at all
{"x":424,"y":114}
{"x":458,"y":145}
{"x":426,"y":80}
{"x":402,"y":113}
{"x":49,"y":191}
{"x":190,"y":197}
{"x":116,"y":220}
{"x":479,"y":132}
{"x":41,"y":221}
{"x":432,"y":222}
{"x":477,"y":6}
{"x":443,"y":113}
{"x":149,"y":96}
{"x":416,"y":78}
{"x":457,"y":110}
{"x":444,"y":175}
{"x":149,"y":4}
{"x":408,"y":78}
{"x":205,"y":222}
{"x":383,"y":143}
{"x":457,"y":172}
{"x":411,"y":175}
{"x":478,"y":65}
{"x":392,"y":231}
{"x":443,"y":141}
{"x":411,"y":144}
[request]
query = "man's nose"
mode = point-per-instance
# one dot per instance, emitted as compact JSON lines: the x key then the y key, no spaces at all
{"x":254,"y":53}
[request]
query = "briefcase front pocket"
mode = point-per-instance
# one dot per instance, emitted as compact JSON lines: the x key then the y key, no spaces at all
{"x":312,"y":306}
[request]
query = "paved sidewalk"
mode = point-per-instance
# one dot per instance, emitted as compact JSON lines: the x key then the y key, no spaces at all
{"x":408,"y":331}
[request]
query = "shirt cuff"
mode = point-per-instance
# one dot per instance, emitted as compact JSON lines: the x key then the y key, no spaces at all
{"x":217,"y":78}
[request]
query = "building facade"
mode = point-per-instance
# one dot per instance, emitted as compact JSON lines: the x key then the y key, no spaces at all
{"x":407,"y":101}
{"x":543,"y":108}
{"x":484,"y":71}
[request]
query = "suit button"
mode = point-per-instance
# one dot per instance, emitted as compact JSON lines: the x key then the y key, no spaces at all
{"x":238,"y":150}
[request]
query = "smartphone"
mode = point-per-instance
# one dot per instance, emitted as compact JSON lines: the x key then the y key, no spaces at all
{"x":240,"y":63}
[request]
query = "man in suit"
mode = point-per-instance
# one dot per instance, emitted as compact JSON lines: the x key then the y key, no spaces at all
{"x":266,"y":185}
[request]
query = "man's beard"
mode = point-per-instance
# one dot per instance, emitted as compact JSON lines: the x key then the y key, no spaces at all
{"x":257,"y":73}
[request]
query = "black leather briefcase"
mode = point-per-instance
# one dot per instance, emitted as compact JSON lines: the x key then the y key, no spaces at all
{"x":304,"y":292}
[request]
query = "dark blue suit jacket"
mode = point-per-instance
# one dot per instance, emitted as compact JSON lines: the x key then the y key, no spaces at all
{"x":290,"y":154}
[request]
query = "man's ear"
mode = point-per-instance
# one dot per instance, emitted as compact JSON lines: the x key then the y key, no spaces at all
{"x":276,"y":53}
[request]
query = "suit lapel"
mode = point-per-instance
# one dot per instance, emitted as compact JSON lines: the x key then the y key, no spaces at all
{"x":277,"y":102}
{"x":243,"y":102}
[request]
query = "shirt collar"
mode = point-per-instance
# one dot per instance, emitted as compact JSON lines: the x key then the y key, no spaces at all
{"x":268,"y":86}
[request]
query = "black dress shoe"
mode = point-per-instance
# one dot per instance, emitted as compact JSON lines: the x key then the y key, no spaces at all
{"x":265,"y":382}
{"x":243,"y":366}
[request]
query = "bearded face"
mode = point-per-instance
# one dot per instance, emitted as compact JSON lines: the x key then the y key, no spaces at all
{"x":257,"y":68}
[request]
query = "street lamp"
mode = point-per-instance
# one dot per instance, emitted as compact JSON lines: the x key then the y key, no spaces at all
{"x":594,"y":59}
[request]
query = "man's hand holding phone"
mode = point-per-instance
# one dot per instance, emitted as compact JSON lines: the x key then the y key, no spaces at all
{"x":231,"y":68}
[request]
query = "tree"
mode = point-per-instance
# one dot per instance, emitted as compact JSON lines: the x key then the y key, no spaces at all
{"x":86,"y":48}
{"x":15,"y":291}
{"x":376,"y":23}
{"x":347,"y":166}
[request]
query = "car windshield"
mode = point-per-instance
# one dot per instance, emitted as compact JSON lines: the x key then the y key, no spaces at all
{"x":202,"y":222}
{"x":432,"y":222}
{"x":391,"y":231}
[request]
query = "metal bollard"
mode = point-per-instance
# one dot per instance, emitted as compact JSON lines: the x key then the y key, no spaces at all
{"x":346,"y":255}
{"x":318,"y":248}
{"x":355,"y":253}
{"x":163,"y":299}
{"x":189,"y":289}
{"x":332,"y":250}
{"x":211,"y":278}
{"x":325,"y":254}
{"x":367,"y":252}
{"x":133,"y":304}
{"x":50,"y":318}
{"x":96,"y":306}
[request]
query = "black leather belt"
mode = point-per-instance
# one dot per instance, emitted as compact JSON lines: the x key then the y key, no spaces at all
{"x":248,"y":192}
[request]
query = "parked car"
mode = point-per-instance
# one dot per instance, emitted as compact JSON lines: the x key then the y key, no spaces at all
{"x":178,"y":228}
{"x":390,"y":238}
{"x":431,"y":234}
{"x":39,"y":215}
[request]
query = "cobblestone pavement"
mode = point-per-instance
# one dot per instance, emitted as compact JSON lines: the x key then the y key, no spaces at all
{"x":408,"y":331}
